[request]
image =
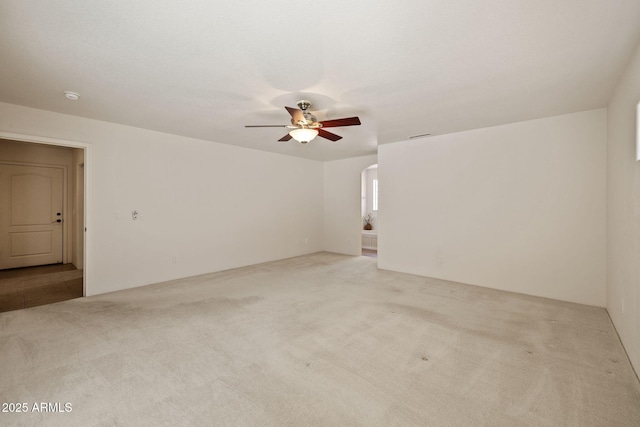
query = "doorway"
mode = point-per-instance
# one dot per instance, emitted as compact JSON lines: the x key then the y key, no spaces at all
{"x":42,"y":220}
{"x":369,"y":210}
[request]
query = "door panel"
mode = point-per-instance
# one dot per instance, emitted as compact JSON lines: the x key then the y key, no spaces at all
{"x":30,"y":199}
{"x":31,"y":216}
{"x":30,"y":243}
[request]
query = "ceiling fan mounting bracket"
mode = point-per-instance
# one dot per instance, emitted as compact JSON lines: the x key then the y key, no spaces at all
{"x":303,"y":104}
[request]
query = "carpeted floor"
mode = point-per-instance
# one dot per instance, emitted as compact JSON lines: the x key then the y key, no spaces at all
{"x":323,"y":339}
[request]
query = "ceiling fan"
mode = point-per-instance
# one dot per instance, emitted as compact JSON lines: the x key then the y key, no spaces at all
{"x":306,"y":127}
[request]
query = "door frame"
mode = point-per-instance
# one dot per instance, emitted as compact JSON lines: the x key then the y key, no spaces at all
{"x":88,"y":171}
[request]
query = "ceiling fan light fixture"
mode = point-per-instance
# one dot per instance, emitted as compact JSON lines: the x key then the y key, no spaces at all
{"x":303,"y":135}
{"x":306,"y":127}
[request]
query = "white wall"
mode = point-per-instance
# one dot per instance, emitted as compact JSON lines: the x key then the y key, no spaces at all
{"x":342,"y":204}
{"x":212,"y":206}
{"x":519,"y":207}
{"x":78,"y":207}
{"x":623,"y":211}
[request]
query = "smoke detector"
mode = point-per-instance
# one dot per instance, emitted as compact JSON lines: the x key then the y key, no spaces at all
{"x":71,"y":95}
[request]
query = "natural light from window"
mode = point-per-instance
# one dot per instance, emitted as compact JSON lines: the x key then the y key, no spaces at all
{"x":375,"y":194}
{"x":638,"y":131}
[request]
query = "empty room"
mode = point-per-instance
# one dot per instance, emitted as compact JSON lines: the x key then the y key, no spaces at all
{"x":423,"y":213}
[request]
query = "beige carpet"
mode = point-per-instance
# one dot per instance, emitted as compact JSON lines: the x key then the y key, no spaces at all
{"x":323,"y":339}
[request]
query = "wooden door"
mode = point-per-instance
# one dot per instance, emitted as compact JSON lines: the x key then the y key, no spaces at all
{"x":31,"y":215}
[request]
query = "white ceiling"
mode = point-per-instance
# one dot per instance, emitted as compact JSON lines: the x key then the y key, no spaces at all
{"x":204,"y":68}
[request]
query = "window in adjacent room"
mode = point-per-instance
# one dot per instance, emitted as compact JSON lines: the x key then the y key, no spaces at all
{"x":638,"y":131}
{"x":375,"y":194}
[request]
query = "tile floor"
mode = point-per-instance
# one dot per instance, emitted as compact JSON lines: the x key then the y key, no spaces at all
{"x":33,"y":286}
{"x":370,"y":253}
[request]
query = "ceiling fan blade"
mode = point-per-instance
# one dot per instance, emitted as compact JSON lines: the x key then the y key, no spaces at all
{"x":328,"y":135}
{"x":296,"y":115}
{"x":349,"y":121}
{"x":285,"y":138}
{"x":266,"y":126}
